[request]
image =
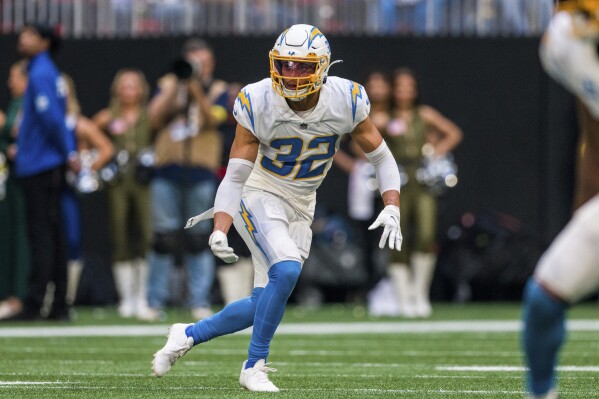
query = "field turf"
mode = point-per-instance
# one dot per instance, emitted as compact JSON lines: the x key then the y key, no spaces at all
{"x":463,"y":351}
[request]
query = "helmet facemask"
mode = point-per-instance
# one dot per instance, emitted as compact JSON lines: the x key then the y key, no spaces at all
{"x":305,"y":75}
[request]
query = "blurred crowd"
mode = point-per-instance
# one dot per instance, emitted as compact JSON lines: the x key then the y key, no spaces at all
{"x":158,"y":151}
{"x":135,"y":18}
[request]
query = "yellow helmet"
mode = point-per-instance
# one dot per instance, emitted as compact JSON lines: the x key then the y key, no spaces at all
{"x":301,"y":46}
{"x":587,"y":6}
{"x":588,"y":10}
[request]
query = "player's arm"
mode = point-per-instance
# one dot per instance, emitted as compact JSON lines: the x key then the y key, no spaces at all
{"x":228,"y":196}
{"x":568,"y":53}
{"x":449,"y":133}
{"x":368,"y":138}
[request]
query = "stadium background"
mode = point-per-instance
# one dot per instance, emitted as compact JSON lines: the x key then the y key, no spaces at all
{"x":519,"y":126}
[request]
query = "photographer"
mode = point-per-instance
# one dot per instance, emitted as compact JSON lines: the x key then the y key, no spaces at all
{"x":186,"y":114}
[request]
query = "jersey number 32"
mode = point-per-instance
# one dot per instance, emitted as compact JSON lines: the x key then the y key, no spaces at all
{"x":290,"y":156}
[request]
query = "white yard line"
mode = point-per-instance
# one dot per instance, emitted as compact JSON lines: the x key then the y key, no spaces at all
{"x":401,"y":327}
{"x":7,"y":383}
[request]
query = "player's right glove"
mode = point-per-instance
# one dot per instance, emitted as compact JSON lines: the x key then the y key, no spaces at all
{"x":389,"y":219}
{"x":220,"y":247}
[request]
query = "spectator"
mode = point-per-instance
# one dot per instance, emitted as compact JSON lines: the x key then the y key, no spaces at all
{"x":186,"y":114}
{"x":94,"y":150}
{"x":412,"y":130}
{"x":127,"y":124}
{"x":14,"y":246}
{"x":362,"y":200}
{"x":44,"y":147}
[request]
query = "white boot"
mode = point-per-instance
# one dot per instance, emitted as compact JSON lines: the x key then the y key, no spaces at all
{"x":255,"y":379}
{"x":400,"y":275}
{"x":177,"y":345}
{"x":423,"y":267}
{"x":74,"y":268}
{"x":236,"y":280}
{"x":124,"y":278}
{"x":140,"y":267}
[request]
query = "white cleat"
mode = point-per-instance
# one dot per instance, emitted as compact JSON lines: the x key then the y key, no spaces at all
{"x":255,"y":379}
{"x":177,"y":345}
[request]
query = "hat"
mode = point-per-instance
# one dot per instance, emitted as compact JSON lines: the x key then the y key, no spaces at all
{"x":47,"y":31}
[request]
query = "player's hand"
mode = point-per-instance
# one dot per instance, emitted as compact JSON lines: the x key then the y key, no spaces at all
{"x":389,"y":219}
{"x":220,"y":247}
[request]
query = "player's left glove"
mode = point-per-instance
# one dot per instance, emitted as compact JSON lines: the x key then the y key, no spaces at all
{"x":389,"y":219}
{"x":220,"y":247}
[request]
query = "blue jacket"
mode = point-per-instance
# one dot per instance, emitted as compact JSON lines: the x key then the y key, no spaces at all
{"x":43,"y":142}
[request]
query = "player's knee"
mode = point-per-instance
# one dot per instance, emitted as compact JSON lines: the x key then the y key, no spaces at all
{"x":256,"y":292}
{"x":286,"y":273}
{"x":166,"y":243}
{"x":540,"y":304}
{"x":196,"y":243}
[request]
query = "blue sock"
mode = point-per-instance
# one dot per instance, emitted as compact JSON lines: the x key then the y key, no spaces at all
{"x":234,"y":317}
{"x":282,"y":277}
{"x":543,"y":334}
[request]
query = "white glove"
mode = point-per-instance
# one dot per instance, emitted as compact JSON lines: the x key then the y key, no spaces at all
{"x":220,"y":247}
{"x":389,"y":218}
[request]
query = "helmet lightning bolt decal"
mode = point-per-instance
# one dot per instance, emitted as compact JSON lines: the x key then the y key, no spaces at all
{"x":246,"y":103}
{"x":314,"y":33}
{"x":355,"y":92}
{"x":282,"y":37}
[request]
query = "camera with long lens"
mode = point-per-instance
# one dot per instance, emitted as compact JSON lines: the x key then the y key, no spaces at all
{"x":185,"y":70}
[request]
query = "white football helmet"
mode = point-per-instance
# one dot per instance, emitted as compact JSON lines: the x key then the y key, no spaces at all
{"x":307,"y":51}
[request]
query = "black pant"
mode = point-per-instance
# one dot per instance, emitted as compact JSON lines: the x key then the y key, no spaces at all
{"x":47,"y":237}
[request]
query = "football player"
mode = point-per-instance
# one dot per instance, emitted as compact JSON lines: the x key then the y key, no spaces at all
{"x":569,"y":270}
{"x":289,"y":128}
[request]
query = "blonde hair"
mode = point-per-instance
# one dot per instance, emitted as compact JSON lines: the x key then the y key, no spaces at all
{"x":73,"y":106}
{"x":115,"y":103}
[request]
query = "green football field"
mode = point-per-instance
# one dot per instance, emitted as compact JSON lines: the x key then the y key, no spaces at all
{"x":463,"y":351}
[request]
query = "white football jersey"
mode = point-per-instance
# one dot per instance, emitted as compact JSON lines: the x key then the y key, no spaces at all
{"x":296,"y":150}
{"x":572,"y":60}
